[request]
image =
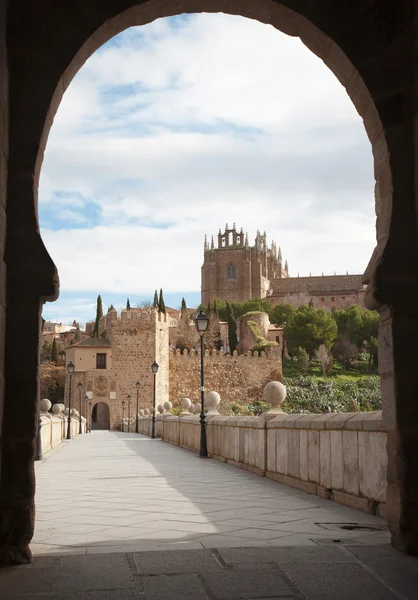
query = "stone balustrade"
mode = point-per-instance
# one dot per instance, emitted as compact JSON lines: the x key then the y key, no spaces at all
{"x":54,"y":426}
{"x":340,"y":456}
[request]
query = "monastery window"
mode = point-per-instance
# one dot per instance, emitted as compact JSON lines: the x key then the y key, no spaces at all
{"x":231,"y":272}
{"x":332,"y":298}
{"x":101,"y":360}
{"x":322,"y":299}
{"x":342,"y":297}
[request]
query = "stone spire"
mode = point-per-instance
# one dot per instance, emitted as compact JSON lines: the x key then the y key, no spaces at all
{"x":206,"y":247}
{"x":246,"y":240}
{"x":212,"y":244}
{"x":286,"y":266}
{"x":279,"y":255}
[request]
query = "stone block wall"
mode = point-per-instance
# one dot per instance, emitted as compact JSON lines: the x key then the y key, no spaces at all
{"x":4,"y":151}
{"x":341,"y":457}
{"x":237,"y":378}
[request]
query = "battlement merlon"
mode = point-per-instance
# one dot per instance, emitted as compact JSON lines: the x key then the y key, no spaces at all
{"x":273,"y":354}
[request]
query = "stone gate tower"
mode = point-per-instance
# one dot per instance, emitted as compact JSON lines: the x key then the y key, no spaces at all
{"x":236,"y":271}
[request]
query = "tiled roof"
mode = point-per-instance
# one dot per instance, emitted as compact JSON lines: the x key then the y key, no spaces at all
{"x":90,"y":342}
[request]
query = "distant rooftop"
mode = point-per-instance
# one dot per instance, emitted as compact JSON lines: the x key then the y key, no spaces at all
{"x":90,"y":342}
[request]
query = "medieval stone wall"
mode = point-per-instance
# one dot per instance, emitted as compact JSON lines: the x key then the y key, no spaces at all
{"x":326,"y":291}
{"x":236,"y":378}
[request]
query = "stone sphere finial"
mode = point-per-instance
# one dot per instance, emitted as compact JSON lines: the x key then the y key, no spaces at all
{"x":168,"y":406}
{"x":146,"y":412}
{"x":57,"y":409}
{"x":160,"y":409}
{"x":212,"y":400}
{"x":186,"y":404}
{"x":274,"y":393}
{"x":45,"y":405}
{"x":74,"y":412}
{"x":197,"y":408}
{"x":141,"y":412}
{"x":66,"y":411}
{"x":191,"y":408}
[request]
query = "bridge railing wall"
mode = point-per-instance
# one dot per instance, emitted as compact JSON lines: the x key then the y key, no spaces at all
{"x":54,"y":429}
{"x":337,"y":456}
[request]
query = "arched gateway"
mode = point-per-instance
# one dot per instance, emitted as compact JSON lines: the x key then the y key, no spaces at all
{"x":100,"y":416}
{"x":371,"y":48}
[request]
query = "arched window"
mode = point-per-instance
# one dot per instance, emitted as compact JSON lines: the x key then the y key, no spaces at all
{"x":231,"y":271}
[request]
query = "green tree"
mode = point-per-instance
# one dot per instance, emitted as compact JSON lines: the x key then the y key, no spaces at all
{"x":77,"y":335}
{"x":183,"y":305}
{"x":360,"y":326}
{"x":99,"y":315}
{"x":232,"y":328}
{"x":161,"y":305}
{"x":303,"y":360}
{"x":155,"y":303}
{"x":309,"y":328}
{"x":46,"y":352}
{"x":128,"y":304}
{"x":111,"y":307}
{"x":281,"y":313}
{"x":54,"y":351}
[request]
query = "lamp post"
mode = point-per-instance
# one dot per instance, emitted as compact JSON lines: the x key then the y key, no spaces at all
{"x":90,"y":414}
{"x":202,"y":321}
{"x":87,"y":418}
{"x":80,"y":387}
{"x":123,"y":413}
{"x":129,"y":413}
{"x":70,"y":371}
{"x":137,"y":385}
{"x":154,"y":369}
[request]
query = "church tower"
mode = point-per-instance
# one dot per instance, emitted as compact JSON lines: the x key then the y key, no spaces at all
{"x":236,"y":271}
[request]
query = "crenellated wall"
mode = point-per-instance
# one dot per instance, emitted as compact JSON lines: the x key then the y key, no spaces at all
{"x":341,"y":457}
{"x":237,"y":378}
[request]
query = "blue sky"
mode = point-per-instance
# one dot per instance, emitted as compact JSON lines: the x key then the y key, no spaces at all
{"x":172,"y":129}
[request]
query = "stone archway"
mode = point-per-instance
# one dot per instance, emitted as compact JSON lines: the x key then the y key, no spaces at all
{"x":100,"y":416}
{"x":370,"y":47}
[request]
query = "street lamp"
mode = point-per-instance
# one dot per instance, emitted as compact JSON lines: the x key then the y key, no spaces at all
{"x":137,"y":385}
{"x":87,"y":418}
{"x":154,"y":369}
{"x":123,"y":413}
{"x":70,"y":371}
{"x":90,"y":414}
{"x":80,"y":387}
{"x":202,"y":321}
{"x":129,"y":413}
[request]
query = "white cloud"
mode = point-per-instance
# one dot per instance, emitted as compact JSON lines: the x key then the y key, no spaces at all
{"x":220,"y":119}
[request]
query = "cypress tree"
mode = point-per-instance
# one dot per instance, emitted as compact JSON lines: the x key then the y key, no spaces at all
{"x":128,"y":304}
{"x":54,"y":351}
{"x":99,"y":315}
{"x":77,"y":335}
{"x":232,"y":328}
{"x":161,"y":305}
{"x":111,"y":307}
{"x":155,"y":303}
{"x":183,"y":305}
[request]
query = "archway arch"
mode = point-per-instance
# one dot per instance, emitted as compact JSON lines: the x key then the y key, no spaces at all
{"x":368,"y":47}
{"x":100,"y":415}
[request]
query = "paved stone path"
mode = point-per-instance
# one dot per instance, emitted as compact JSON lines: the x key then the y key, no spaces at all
{"x":121,"y":516}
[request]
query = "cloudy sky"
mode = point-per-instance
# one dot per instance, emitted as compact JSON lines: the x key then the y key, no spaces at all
{"x":173,"y":129}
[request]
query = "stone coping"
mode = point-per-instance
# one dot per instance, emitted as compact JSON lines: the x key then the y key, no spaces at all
{"x":356,"y":421}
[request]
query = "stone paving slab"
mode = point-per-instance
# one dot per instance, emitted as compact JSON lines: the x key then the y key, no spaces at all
{"x":126,"y":492}
{"x":226,"y":574}
{"x":121,"y":517}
